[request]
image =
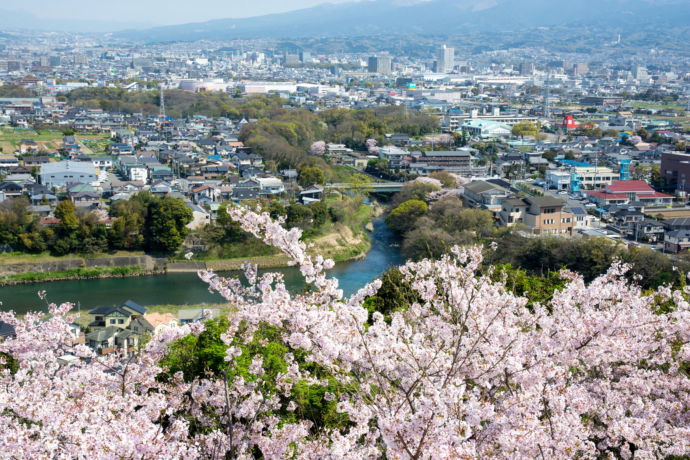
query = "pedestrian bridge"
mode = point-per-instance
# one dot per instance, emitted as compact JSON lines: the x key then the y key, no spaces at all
{"x":379,"y":187}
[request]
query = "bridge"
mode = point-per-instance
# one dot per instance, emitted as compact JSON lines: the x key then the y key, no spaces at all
{"x":380,"y":187}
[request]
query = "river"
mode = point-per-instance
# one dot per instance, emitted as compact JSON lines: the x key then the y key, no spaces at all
{"x":187,"y":288}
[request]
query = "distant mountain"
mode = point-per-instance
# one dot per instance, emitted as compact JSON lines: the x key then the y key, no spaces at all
{"x":428,"y":17}
{"x":18,"y":20}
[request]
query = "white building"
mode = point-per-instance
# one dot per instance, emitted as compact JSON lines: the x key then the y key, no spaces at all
{"x":557,"y":179}
{"x":595,"y":177}
{"x":138,"y":173}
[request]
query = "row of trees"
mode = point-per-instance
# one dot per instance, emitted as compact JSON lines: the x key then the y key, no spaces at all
{"x":145,"y":222}
{"x":178,"y":103}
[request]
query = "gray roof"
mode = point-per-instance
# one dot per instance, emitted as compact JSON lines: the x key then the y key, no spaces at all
{"x":543,"y":201}
{"x":481,"y":186}
{"x":72,"y":166}
{"x":678,"y":222}
{"x":6,"y":329}
{"x":446,"y":153}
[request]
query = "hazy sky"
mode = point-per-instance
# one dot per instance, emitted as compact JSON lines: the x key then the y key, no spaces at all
{"x":155,"y":11}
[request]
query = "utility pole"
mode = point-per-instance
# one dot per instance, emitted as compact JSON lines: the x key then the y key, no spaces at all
{"x":547,"y":97}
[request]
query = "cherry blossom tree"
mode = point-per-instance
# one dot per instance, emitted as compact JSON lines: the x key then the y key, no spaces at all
{"x":318,"y":148}
{"x":465,"y":370}
{"x":372,"y":146}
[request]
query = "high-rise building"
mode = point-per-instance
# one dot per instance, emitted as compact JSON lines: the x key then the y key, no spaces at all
{"x":379,"y":64}
{"x":640,"y":73}
{"x":526,"y":68}
{"x":305,"y":56}
{"x":445,"y":61}
{"x":291,"y":59}
{"x":580,"y":69}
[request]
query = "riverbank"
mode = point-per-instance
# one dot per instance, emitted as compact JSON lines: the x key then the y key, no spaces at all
{"x":342,"y":242}
{"x":76,"y":274}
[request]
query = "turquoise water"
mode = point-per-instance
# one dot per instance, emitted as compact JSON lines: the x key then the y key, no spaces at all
{"x":187,"y":288}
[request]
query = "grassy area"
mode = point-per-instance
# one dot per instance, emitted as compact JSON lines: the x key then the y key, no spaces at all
{"x":71,"y":273}
{"x":20,"y":258}
{"x":51,"y":140}
{"x":348,"y":239}
{"x":655,"y":105}
{"x":346,"y":174}
{"x":278,"y":260}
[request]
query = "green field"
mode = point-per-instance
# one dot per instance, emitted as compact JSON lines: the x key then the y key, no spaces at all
{"x":655,"y":105}
{"x":51,"y":140}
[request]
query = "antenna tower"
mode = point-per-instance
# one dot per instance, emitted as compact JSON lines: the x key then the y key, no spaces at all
{"x":162,"y":102}
{"x":547,"y":97}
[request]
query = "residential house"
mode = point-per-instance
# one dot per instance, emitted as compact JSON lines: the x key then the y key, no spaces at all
{"x":485,"y":195}
{"x":193,"y":315}
{"x":204,"y":193}
{"x":33,"y":161}
{"x":269,"y":185}
{"x":541,"y":215}
{"x":647,"y":230}
{"x":311,"y":194}
{"x":11,"y":189}
{"x":677,"y":241}
{"x":28,"y":146}
{"x":116,"y":315}
{"x":8,"y":161}
{"x":111,"y":339}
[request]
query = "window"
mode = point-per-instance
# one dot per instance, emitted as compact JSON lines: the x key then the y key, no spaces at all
{"x":549,"y":211}
{"x":120,"y":321}
{"x":548,"y":221}
{"x":565,"y":220}
{"x":112,"y":321}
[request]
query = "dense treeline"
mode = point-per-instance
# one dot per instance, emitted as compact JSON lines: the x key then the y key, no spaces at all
{"x":178,"y":103}
{"x":15,"y":91}
{"x":225,"y":239}
{"x":144,"y":222}
{"x":430,"y":229}
{"x":588,"y":256}
{"x":286,"y":137}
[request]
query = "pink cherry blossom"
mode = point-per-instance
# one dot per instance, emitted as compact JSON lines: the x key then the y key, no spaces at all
{"x":467,"y":370}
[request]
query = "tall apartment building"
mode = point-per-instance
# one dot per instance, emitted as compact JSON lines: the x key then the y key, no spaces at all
{"x":445,"y":61}
{"x":380,"y":64}
{"x":675,"y":168}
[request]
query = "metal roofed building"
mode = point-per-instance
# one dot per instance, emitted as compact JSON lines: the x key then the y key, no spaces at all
{"x":486,"y":128}
{"x":67,"y":172}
